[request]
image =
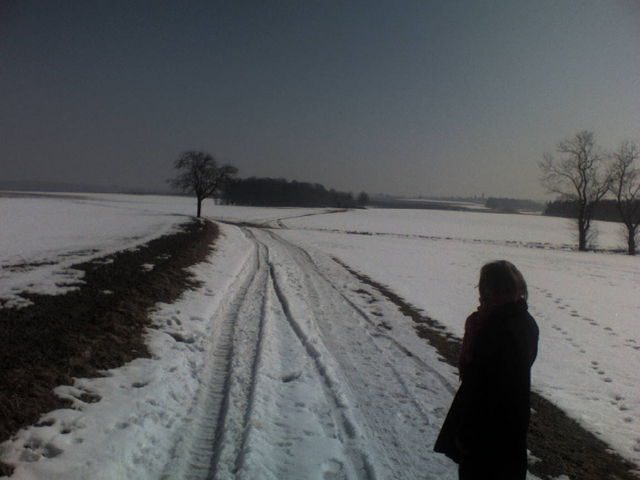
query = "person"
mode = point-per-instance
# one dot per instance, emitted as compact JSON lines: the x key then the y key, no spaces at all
{"x":485,"y":431}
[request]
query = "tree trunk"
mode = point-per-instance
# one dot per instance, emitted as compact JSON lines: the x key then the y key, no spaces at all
{"x":582,"y":235}
{"x":199,"y":207}
{"x":631,"y":241}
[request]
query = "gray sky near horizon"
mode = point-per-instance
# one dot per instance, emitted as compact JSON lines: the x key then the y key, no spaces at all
{"x":400,"y":97}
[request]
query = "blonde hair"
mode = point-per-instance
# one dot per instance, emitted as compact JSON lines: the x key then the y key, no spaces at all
{"x":501,"y":279}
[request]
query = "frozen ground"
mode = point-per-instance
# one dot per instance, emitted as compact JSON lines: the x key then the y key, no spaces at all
{"x":311,"y":375}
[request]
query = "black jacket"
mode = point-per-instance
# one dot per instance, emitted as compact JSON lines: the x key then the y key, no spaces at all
{"x":489,"y":416}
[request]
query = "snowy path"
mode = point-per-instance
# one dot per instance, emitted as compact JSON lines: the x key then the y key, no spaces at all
{"x":308,"y":383}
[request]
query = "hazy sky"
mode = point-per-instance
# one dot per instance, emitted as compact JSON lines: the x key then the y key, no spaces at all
{"x":403,"y":97}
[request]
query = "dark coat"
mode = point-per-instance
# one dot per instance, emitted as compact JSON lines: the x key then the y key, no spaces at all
{"x":489,"y":417}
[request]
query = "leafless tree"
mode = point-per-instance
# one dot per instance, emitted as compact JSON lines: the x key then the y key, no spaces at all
{"x":577,"y":175}
{"x":200,"y":175}
{"x":625,"y":186}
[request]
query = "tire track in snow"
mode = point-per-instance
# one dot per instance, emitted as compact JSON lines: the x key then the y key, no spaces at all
{"x":233,"y":423}
{"x":216,"y":429}
{"x":191,"y":457}
{"x":346,"y":426}
{"x":378,"y":332}
{"x":363,"y":409}
{"x":389,"y":418}
{"x":254,"y":370}
{"x":217,"y":436}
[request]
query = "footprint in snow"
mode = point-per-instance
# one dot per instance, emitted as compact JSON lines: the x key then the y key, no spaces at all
{"x":291,"y":377}
{"x":333,"y":470}
{"x":35,"y":448}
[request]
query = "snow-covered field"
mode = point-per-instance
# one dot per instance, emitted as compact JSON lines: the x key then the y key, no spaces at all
{"x":311,"y":383}
{"x":42,"y":236}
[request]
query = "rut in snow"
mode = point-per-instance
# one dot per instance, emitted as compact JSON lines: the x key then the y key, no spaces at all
{"x":304,"y":384}
{"x":197,"y":456}
{"x":359,"y":461}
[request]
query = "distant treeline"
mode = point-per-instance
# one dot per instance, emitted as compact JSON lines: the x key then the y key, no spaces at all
{"x":512,"y":205}
{"x":278,"y":192}
{"x":605,"y":210}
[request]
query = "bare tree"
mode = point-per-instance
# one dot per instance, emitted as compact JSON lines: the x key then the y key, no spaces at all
{"x":200,"y":175}
{"x":625,"y":186}
{"x":577,"y":175}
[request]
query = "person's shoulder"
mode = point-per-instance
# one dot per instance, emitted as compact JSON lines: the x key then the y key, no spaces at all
{"x":508,"y":311}
{"x":523,"y":324}
{"x":532,"y":324}
{"x":523,"y":312}
{"x":515,"y":316}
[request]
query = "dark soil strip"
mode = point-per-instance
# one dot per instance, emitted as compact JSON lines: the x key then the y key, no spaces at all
{"x":97,"y":327}
{"x":563,"y":445}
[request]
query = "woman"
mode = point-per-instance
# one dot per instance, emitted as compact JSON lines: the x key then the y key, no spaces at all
{"x":485,"y":431}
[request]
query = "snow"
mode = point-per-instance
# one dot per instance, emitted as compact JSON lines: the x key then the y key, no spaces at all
{"x":586,"y":304}
{"x":283,"y":360}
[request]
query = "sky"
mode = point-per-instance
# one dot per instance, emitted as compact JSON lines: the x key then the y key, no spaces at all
{"x":419,"y":97}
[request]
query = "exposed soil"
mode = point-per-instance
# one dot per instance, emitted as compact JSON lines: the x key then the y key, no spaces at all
{"x":562,"y":445}
{"x":99,"y":326}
